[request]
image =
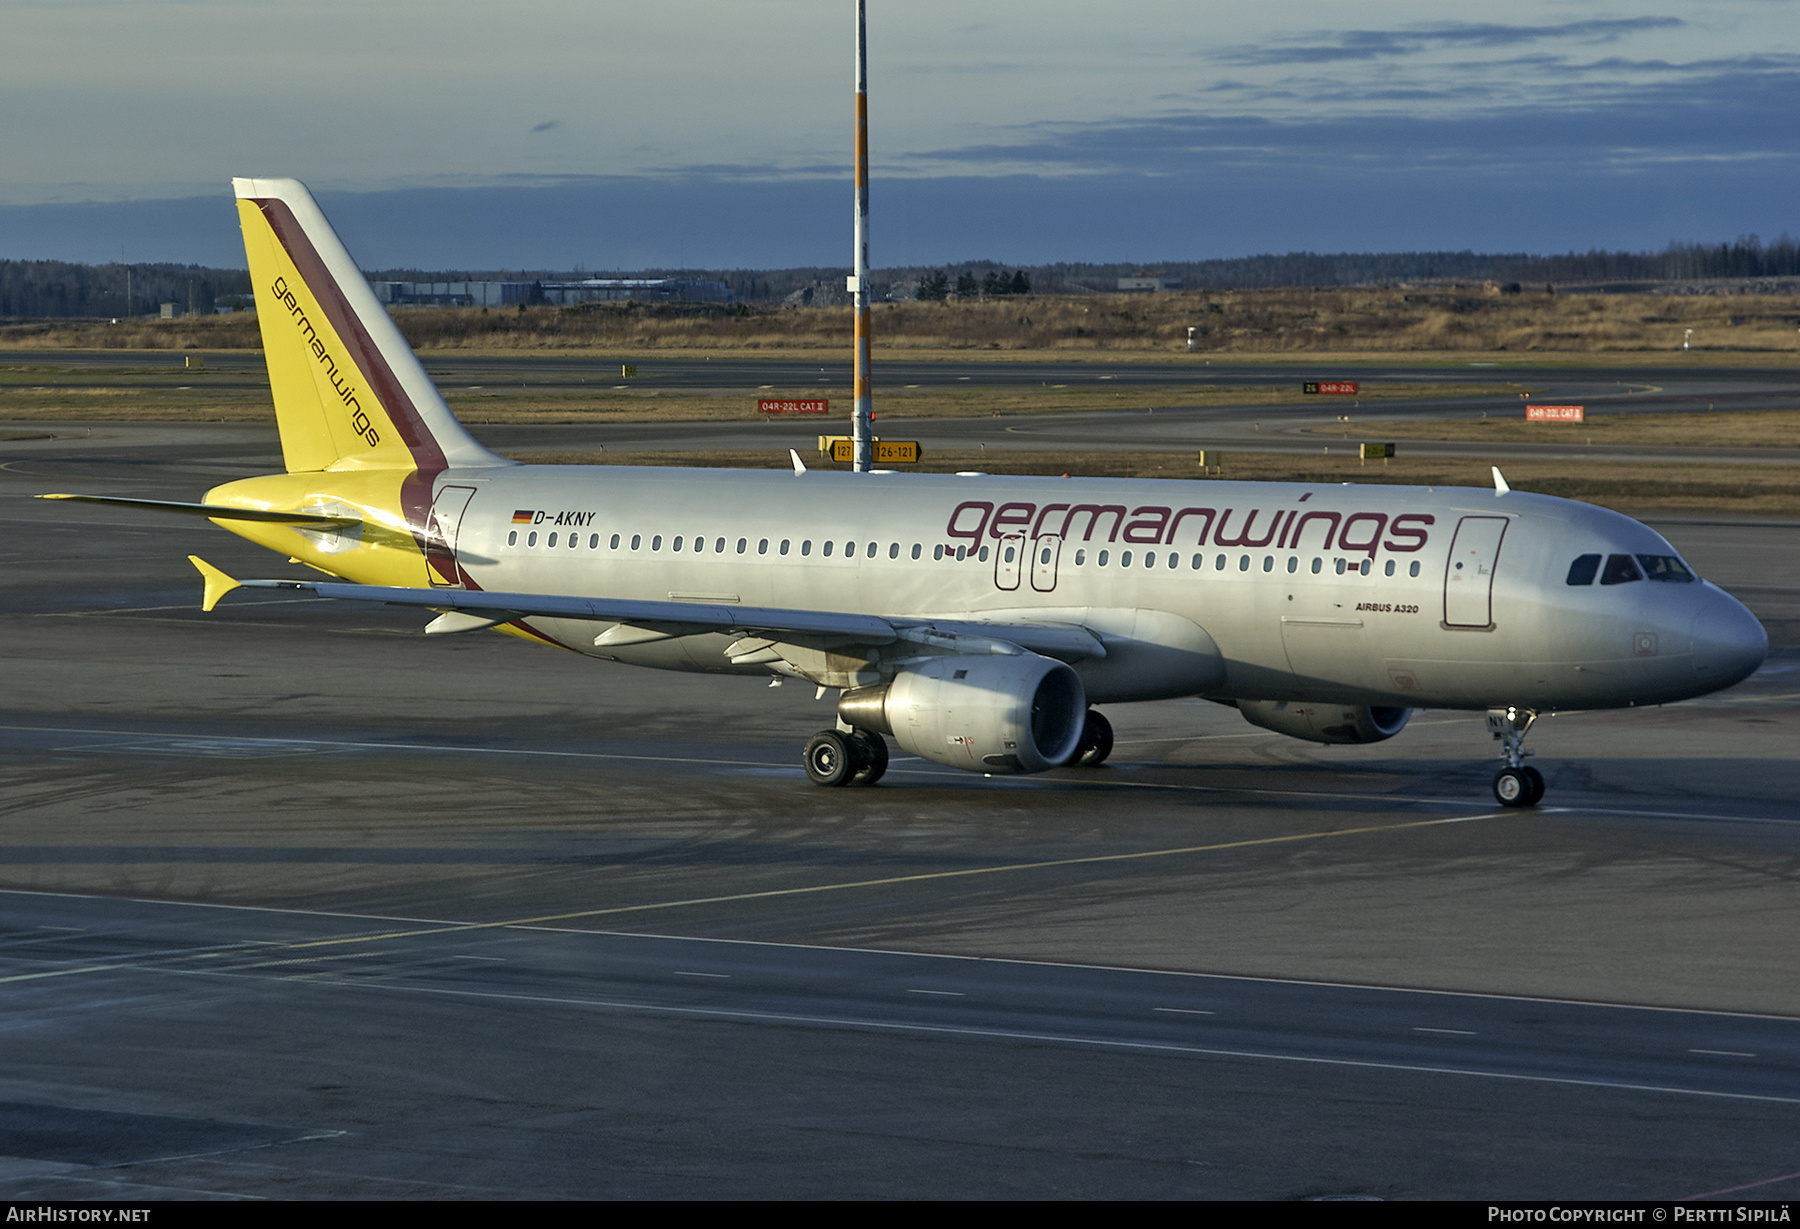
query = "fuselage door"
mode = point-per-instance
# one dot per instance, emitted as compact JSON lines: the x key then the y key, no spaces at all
{"x":1008,"y":557}
{"x":1469,"y":578}
{"x":441,"y":530}
{"x":1044,"y":552}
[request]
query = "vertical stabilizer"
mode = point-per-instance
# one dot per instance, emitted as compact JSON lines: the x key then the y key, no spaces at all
{"x":349,"y":392}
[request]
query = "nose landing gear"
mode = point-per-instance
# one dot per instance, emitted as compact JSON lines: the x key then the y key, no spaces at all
{"x":1517,"y":784}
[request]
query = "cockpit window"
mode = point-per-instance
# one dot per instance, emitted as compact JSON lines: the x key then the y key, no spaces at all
{"x":1582,"y":571}
{"x":1619,"y":570}
{"x":1666,"y":568}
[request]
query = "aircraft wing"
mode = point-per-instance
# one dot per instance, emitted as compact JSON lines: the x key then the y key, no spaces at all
{"x":478,"y":608}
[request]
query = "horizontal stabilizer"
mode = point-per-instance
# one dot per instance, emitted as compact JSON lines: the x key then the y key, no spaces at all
{"x":220,"y":512}
{"x":217,"y":583}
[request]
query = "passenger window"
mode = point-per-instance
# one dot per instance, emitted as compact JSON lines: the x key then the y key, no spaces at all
{"x":962,"y":552}
{"x":894,"y":551}
{"x":1413,"y":570}
{"x":875,"y":547}
{"x":1149,"y":558}
{"x":824,"y":550}
{"x":1102,"y":560}
{"x":937,"y":551}
{"x":1268,"y":563}
{"x":784,"y":546}
{"x":742,"y":544}
{"x":1219,"y":563}
{"x":1364,"y":567}
{"x":984,"y":554}
{"x":531,"y":538}
{"x":636,"y":540}
{"x":1243,"y":563}
{"x":512,"y":539}
{"x":593,"y":541}
{"x":1620,"y":570}
{"x":676,"y":544}
{"x":1199,"y":562}
{"x":915,"y":550}
{"x":552,"y":542}
{"x":1317,"y":564}
{"x":1294,"y":564}
{"x":719,"y":546}
{"x":1666,"y":568}
{"x":1009,"y":554}
{"x":574,"y":540}
{"x":1583,"y":570}
{"x":806,"y":547}
{"x":656,"y":542}
{"x":1080,"y":558}
{"x":1174,"y":559}
{"x":1388,"y":568}
{"x":1125,"y":559}
{"x":615,"y":542}
{"x":1339,"y":564}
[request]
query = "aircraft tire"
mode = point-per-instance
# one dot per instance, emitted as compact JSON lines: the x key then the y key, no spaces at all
{"x":1536,"y":780}
{"x":1513,"y":787}
{"x":829,"y":758}
{"x":1096,"y":742}
{"x":871,"y":752}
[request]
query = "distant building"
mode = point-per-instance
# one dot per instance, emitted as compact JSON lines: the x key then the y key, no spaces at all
{"x":1150,"y":283}
{"x":554,"y":293}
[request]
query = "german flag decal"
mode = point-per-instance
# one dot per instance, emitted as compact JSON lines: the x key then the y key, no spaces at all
{"x":523,"y":518}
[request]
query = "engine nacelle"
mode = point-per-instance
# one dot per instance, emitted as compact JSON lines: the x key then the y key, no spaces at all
{"x":1325,"y":723}
{"x":1012,"y":713}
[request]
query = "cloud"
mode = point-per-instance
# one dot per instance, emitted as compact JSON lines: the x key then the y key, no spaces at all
{"x":1727,"y":109}
{"x":547,"y":125}
{"x":1329,"y":46}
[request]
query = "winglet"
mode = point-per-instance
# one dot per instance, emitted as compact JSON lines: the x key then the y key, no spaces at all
{"x":799,"y":465}
{"x":1500,"y":487}
{"x":217,"y":583}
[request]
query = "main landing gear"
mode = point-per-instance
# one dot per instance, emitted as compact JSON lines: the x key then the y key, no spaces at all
{"x":1096,"y":742}
{"x":1517,"y":784}
{"x":834,"y":757}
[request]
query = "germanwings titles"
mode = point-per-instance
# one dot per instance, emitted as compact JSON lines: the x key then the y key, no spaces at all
{"x":973,"y":619}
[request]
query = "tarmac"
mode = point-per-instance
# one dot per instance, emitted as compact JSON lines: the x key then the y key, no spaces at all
{"x":297,"y":903}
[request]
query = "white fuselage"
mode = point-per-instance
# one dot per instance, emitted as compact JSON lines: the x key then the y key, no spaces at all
{"x":1374,"y":595}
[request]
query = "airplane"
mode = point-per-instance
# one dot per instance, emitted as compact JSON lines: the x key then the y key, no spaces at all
{"x":974,"y":619}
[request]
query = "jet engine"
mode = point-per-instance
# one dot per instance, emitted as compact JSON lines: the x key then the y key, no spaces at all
{"x":1325,"y":723}
{"x":1003,"y":714}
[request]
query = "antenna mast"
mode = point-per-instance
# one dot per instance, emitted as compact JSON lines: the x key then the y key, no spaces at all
{"x":861,"y":439}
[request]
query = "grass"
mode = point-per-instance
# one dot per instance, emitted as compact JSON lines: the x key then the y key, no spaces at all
{"x":1340,"y":324}
{"x":42,"y":391}
{"x":1757,"y":490}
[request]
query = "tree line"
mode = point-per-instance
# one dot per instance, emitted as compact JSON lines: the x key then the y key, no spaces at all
{"x":36,"y":289}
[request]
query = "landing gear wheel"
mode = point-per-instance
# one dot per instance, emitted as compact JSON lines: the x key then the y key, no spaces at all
{"x":871,"y":752}
{"x":1095,"y":744}
{"x":829,"y":758}
{"x":1518,"y":787}
{"x":1536,"y":779}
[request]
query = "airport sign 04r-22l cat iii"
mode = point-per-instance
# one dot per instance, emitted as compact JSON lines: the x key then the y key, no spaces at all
{"x":971,"y":618}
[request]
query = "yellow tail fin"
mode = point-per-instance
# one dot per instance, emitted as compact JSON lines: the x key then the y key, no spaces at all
{"x":349,"y":392}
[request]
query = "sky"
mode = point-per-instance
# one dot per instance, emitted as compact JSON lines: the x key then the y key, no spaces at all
{"x":717,"y":133}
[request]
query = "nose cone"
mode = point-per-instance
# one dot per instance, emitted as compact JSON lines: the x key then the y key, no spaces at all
{"x":1729,"y":644}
